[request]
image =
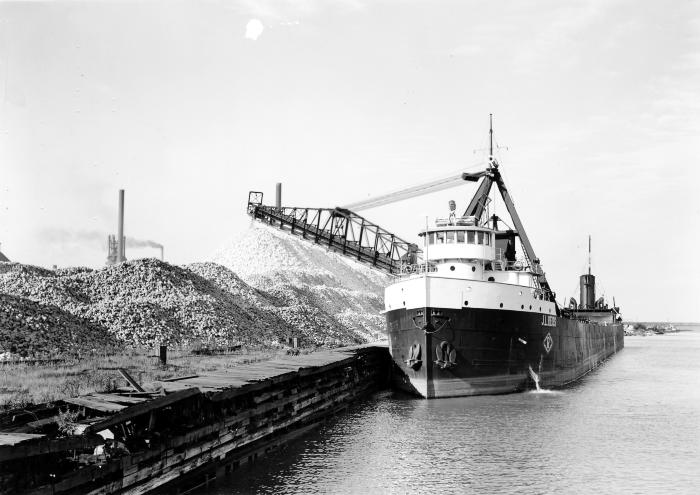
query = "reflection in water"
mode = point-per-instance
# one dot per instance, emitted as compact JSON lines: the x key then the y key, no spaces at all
{"x":631,"y":426}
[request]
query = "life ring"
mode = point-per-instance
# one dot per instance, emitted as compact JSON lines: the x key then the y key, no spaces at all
{"x":518,"y":265}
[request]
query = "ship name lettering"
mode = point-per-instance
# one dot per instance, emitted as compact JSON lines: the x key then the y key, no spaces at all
{"x":549,"y":321}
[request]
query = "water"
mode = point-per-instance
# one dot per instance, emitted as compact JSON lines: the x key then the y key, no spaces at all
{"x":535,"y":378}
{"x":631,"y":426}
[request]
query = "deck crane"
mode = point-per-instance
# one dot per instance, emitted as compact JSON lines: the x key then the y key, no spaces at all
{"x":342,"y":230}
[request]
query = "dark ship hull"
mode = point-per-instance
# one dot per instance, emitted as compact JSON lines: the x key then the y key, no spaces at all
{"x":472,"y":351}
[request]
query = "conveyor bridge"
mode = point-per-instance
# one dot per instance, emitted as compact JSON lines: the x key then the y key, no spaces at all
{"x":340,"y":230}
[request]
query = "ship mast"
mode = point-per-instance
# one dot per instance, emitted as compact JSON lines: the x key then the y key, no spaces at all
{"x":478,"y":204}
{"x":589,"y":254}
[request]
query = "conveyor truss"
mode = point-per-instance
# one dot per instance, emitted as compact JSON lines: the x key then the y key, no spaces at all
{"x":340,"y":230}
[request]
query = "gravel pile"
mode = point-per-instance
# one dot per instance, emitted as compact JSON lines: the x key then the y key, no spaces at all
{"x":30,"y":329}
{"x":315,"y":289}
{"x":264,"y":288}
{"x":148,"y":302}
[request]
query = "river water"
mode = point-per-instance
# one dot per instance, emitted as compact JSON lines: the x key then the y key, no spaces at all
{"x":631,"y":426}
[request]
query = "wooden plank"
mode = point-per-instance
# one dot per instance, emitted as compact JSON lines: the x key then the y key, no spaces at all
{"x":77,"y":478}
{"x":178,"y":378}
{"x":95,"y":404}
{"x":173,"y":387}
{"x":216,"y":382}
{"x":120,"y":399}
{"x":197,"y":455}
{"x":11,"y":439}
{"x":314,"y":394}
{"x":254,"y":386}
{"x":320,"y":369}
{"x":32,"y":425}
{"x":186,"y":439}
{"x":20,"y":445}
{"x":128,"y":391}
{"x":203,"y":449}
{"x":216,"y":379}
{"x":143,"y":408}
{"x":131,"y":380}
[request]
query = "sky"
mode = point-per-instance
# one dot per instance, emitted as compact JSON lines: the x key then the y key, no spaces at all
{"x":190,"y":105}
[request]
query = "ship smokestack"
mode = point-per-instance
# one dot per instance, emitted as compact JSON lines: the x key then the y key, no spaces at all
{"x":587,"y":284}
{"x":278,"y":195}
{"x":161,"y":252}
{"x":121,"y":252}
{"x":587,"y":291}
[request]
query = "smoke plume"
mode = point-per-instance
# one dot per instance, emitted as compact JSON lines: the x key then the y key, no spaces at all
{"x":92,"y":237}
{"x":141,"y":243}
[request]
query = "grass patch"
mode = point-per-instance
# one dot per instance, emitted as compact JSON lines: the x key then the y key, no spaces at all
{"x":22,"y":384}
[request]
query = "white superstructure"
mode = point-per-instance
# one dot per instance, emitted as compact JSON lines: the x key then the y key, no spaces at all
{"x":464,"y":268}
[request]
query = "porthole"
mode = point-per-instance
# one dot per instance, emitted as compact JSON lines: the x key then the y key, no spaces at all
{"x":522,"y":306}
{"x":540,"y":308}
{"x":491,"y":279}
{"x":473,"y":268}
{"x":404,"y":303}
{"x":530,"y":306}
{"x":466,"y":303}
{"x":501,"y":304}
{"x":452,"y":268}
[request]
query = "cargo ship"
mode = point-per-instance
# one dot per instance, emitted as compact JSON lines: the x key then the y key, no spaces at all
{"x":477,"y":316}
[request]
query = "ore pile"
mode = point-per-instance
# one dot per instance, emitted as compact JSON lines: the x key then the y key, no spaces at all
{"x":148,"y":302}
{"x":30,"y":329}
{"x":328,"y":297}
{"x":287,"y":288}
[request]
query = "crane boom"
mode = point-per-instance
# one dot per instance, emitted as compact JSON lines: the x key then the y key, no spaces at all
{"x":413,"y":191}
{"x":478,"y":203}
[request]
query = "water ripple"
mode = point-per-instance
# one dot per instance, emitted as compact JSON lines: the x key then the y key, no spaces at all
{"x":632,"y":426}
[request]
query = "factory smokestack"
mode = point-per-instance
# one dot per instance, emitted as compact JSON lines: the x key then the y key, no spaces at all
{"x":278,"y":197}
{"x":121,"y":252}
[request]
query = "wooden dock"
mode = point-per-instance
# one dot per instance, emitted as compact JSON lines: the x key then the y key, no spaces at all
{"x":185,"y":432}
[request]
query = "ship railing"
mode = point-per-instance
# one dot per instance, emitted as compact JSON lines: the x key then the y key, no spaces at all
{"x":417,"y":269}
{"x":501,"y":264}
{"x":459,"y":221}
{"x":517,"y":265}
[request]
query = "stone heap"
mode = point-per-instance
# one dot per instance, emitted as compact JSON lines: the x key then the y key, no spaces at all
{"x":314,"y":288}
{"x":147,"y":302}
{"x":30,"y":329}
{"x":265,"y":288}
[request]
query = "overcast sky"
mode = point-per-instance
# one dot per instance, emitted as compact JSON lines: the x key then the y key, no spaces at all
{"x":189,"y":105}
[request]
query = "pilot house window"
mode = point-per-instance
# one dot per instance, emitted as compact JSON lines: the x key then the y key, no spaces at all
{"x":459,"y":237}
